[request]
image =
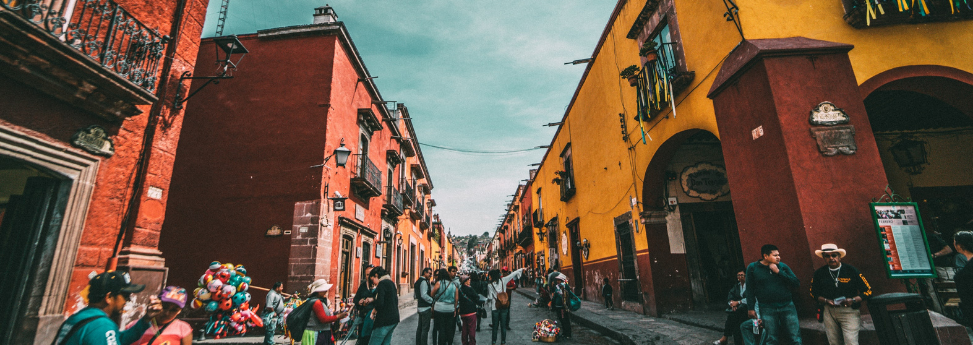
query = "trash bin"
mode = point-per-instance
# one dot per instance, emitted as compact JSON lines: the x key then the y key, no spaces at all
{"x":902,"y":319}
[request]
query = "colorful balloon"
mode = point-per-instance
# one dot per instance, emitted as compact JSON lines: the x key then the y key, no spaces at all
{"x":243,"y":286}
{"x":226,"y":304}
{"x":239,"y":298}
{"x":203,"y":295}
{"x":223,"y":276}
{"x":197,"y":303}
{"x":214,"y":285}
{"x":212,"y":306}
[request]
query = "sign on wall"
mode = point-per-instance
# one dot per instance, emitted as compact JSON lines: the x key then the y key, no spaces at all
{"x":705,"y":181}
{"x":903,"y":240}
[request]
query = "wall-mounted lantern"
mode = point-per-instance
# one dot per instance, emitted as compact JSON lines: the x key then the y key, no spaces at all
{"x":229,"y":45}
{"x":337,"y":202}
{"x":585,"y":246}
{"x":909,"y":154}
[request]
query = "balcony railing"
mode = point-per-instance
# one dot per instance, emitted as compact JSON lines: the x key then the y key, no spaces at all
{"x":408,"y":193}
{"x":393,"y":202}
{"x":102,"y":30}
{"x":366,"y":177}
{"x":864,"y":13}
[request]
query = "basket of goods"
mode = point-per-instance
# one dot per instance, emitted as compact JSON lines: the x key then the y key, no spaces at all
{"x":545,"y":331}
{"x":223,"y":294}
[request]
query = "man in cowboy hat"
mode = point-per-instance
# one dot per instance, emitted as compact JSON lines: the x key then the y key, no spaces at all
{"x":840,"y":289}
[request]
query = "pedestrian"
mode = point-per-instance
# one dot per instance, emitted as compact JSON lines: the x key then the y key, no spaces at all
{"x":737,"y":310}
{"x":963,"y":241}
{"x":769,"y":281}
{"x":511,"y":287}
{"x":452,"y":274}
{"x":166,"y":329}
{"x":559,"y":303}
{"x":424,"y":301}
{"x":318,"y":330}
{"x":499,"y":301}
{"x":840,"y":289}
{"x":606,"y":293}
{"x":386,"y":304}
{"x":479,"y":285}
{"x":446,"y":294}
{"x":275,"y":308}
{"x":469,"y":302}
{"x":107,"y":295}
{"x":365,"y":290}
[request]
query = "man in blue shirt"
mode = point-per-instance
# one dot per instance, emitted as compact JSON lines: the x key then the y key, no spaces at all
{"x":107,"y":294}
{"x":769,"y":284}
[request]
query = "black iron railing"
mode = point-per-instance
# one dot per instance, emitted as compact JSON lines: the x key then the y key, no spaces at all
{"x":365,"y":170}
{"x":102,"y":30}
{"x":865,"y":13}
{"x":408,"y":193}
{"x":393,"y":198}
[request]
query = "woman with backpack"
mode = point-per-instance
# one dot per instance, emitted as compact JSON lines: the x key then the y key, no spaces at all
{"x":499,"y":301}
{"x":559,"y":304}
{"x":318,"y":330}
{"x":445,"y":293}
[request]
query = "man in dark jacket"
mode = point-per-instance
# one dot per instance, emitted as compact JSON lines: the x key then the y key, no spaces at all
{"x":386,"y":302}
{"x":769,"y":284}
{"x":840,"y":289}
{"x":737,"y":311}
{"x":424,"y":303}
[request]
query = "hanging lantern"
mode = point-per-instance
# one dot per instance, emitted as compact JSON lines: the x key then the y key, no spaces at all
{"x":910,"y":154}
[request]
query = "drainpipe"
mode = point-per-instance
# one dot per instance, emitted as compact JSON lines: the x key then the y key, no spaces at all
{"x":148,"y":137}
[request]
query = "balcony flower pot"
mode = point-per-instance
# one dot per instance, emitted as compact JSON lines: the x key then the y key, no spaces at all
{"x":651,"y":57}
{"x":631,"y":73}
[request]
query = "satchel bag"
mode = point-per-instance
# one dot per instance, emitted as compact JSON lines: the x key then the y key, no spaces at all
{"x":503,"y":299}
{"x":298,"y":318}
{"x":574,"y":303}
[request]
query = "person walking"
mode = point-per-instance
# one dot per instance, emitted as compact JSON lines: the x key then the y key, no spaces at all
{"x":166,"y":329}
{"x":607,"y":294}
{"x":424,"y":302}
{"x":737,"y":310}
{"x":318,"y":330}
{"x":275,"y":308}
{"x":107,"y":295}
{"x":499,"y":301}
{"x":559,"y":303}
{"x":963,"y":241}
{"x":479,"y":286}
{"x":365,"y":290}
{"x":769,"y":282}
{"x":446,"y":294}
{"x":386,"y":304}
{"x":469,"y":302}
{"x":840,"y":289}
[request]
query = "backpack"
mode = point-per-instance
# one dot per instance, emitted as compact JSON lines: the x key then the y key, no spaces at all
{"x":298,"y":318}
{"x":574,"y":303}
{"x":503,"y":300}
{"x":512,"y":285}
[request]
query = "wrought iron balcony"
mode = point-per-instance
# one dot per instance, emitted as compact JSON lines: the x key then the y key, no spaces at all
{"x":865,"y":13}
{"x":567,"y":188}
{"x":103,"y":31}
{"x":424,"y":222}
{"x":366,"y":178}
{"x":393,"y":202}
{"x":408,"y":193}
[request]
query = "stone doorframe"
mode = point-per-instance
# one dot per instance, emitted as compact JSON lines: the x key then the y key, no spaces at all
{"x":82,"y":170}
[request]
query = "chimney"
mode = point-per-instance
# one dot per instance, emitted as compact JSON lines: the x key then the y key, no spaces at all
{"x":325,"y":14}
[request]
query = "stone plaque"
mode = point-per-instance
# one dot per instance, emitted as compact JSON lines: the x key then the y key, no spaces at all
{"x":836,"y":139}
{"x":94,"y":140}
{"x":827,"y":114}
{"x":705,"y":181}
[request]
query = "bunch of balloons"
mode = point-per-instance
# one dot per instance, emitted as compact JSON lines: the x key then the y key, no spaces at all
{"x":222,"y":292}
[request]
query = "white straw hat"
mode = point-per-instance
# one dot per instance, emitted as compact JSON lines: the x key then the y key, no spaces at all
{"x":829,"y":247}
{"x":319,"y":285}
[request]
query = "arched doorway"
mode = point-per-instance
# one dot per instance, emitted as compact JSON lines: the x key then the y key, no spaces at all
{"x":694,"y":244}
{"x":922,"y":119}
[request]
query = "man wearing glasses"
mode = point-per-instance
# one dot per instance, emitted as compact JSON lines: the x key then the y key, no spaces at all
{"x":840,"y":289}
{"x":107,"y":295}
{"x":736,"y":311}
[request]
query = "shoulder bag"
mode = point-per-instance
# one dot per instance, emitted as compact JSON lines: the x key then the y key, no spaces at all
{"x":503,"y":299}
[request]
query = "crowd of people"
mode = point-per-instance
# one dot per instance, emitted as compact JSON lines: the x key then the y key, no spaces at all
{"x":760,"y":305}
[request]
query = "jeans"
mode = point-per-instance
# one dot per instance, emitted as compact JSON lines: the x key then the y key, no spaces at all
{"x":422,"y":333}
{"x":500,"y":317}
{"x":382,"y":335}
{"x":746,"y":331}
{"x":510,"y":295}
{"x":468,"y":335}
{"x":780,"y":322}
{"x":444,"y":327}
{"x":270,"y":325}
{"x":841,"y":324}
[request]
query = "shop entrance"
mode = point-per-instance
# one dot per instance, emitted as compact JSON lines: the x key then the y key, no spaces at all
{"x":576,"y":263}
{"x":346,"y":246}
{"x":32,"y":204}
{"x":712,"y":250}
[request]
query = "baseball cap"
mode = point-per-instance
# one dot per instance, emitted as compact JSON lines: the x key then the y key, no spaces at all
{"x":175,"y":295}
{"x":113,"y":282}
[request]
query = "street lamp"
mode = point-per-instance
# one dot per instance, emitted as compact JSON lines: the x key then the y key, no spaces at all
{"x":909,"y":154}
{"x":229,"y":45}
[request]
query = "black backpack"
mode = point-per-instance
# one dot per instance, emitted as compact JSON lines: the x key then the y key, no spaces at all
{"x":299,"y":317}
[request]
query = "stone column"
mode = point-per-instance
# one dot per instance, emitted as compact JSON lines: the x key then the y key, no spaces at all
{"x":311,"y":246}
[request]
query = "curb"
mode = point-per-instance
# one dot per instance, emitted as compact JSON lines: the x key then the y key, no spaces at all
{"x":617,"y":336}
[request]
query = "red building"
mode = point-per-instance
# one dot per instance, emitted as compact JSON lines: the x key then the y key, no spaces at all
{"x":257,"y":189}
{"x":87,"y":139}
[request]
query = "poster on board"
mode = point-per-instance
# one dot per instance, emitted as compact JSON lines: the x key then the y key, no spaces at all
{"x":903,"y":240}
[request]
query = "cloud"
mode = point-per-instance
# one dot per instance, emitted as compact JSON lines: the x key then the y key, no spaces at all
{"x":481,"y":75}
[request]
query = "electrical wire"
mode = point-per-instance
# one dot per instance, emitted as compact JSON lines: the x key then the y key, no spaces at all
{"x":481,"y":151}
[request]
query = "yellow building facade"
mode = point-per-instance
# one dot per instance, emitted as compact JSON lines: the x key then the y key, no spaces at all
{"x":652,"y":211}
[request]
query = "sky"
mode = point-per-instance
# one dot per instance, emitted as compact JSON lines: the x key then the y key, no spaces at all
{"x":475,"y":75}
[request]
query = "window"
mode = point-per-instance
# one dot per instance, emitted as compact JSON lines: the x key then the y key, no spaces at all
{"x":664,"y":77}
{"x":566,"y":176}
